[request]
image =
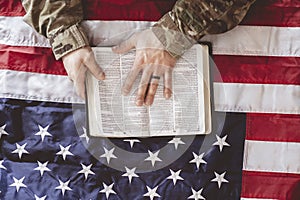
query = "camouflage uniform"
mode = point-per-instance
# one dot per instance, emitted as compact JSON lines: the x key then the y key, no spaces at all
{"x":59,"y":21}
{"x":187,"y":22}
{"x":190,"y":20}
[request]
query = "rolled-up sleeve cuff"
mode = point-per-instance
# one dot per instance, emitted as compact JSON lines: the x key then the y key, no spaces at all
{"x":67,"y":41}
{"x":174,"y":41}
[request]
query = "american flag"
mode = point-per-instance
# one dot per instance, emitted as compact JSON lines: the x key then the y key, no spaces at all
{"x":252,"y":153}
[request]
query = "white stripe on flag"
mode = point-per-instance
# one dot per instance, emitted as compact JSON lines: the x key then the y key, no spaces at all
{"x":37,"y":87}
{"x":243,"y":40}
{"x":265,"y":156}
{"x":231,"y":97}
{"x":266,"y":98}
{"x":258,"y":41}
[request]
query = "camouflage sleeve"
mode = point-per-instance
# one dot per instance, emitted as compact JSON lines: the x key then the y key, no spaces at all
{"x":190,"y":20}
{"x":58,"y":20}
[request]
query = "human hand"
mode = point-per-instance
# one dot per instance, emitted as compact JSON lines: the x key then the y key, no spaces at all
{"x":153,"y":60}
{"x":77,"y":63}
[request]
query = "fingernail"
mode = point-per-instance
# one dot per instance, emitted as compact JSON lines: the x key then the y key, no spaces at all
{"x":148,"y":102}
{"x":168,"y":95}
{"x":139,"y":102}
{"x":102,"y":76}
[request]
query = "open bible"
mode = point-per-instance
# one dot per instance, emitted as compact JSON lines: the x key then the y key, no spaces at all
{"x":187,"y":112}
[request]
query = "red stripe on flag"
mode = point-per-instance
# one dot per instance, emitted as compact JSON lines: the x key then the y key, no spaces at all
{"x":141,"y":10}
{"x":270,"y":185}
{"x":274,"y":13}
{"x":235,"y":69}
{"x":30,"y":59}
{"x":273,"y":127}
{"x":265,"y":13}
{"x":258,"y":69}
{"x":11,"y":8}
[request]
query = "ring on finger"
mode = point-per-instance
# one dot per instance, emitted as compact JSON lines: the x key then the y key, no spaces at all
{"x":155,"y":77}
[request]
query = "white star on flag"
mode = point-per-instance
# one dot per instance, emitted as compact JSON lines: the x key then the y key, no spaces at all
{"x":1,"y":165}
{"x":84,"y":135}
{"x":63,"y":186}
{"x":131,"y":141}
{"x":220,"y":179}
{"x":42,"y":167}
{"x":130,"y":173}
{"x":108,"y":154}
{"x":40,"y":198}
{"x":108,"y":190}
{"x":176,"y":142}
{"x":64,"y":151}
{"x":175,"y":176}
{"x":18,"y":183}
{"x":198,"y":159}
{"x":43,"y":132}
{"x":20,"y":150}
{"x":153,"y":157}
{"x":221,"y":142}
{"x":197,"y":195}
{"x":151,"y":193}
{"x":86,"y":170}
{"x":2,"y":131}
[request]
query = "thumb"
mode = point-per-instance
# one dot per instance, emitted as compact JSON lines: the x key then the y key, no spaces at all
{"x":125,"y":46}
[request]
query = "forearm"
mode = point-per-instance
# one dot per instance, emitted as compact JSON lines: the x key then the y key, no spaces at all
{"x":58,"y":21}
{"x":190,"y":20}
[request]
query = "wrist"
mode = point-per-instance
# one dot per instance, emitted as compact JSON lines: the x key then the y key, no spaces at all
{"x":173,"y":40}
{"x":68,"y":41}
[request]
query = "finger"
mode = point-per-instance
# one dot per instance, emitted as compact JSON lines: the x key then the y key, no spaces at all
{"x":144,"y":83}
{"x":132,"y":75}
{"x":125,"y":46}
{"x":94,"y":68}
{"x":79,"y":82}
{"x":152,"y":89}
{"x":168,"y":84}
